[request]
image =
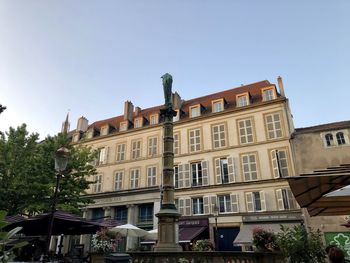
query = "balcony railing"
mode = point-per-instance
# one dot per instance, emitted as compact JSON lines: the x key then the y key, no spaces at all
{"x":205,"y":257}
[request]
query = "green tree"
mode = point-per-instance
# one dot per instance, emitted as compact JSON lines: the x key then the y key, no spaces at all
{"x":28,"y":177}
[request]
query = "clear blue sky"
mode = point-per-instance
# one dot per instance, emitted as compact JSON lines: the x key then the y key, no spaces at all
{"x":91,"y":56}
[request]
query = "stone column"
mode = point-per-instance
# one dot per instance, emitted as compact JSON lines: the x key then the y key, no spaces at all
{"x":168,"y":216}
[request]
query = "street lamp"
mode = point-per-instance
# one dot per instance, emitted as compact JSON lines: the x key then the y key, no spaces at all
{"x":216,"y":214}
{"x":61,"y":160}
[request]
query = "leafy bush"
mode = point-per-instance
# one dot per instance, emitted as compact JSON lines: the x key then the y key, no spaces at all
{"x":203,"y":245}
{"x":300,"y":246}
{"x":264,"y":240}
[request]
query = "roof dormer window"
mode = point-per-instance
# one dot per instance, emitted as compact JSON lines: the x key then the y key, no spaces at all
{"x":177,"y":116}
{"x":268,"y":94}
{"x":242,"y":99}
{"x":138,"y":123}
{"x":154,"y":119}
{"x":195,"y":111}
{"x":123,"y":126}
{"x":217,"y":105}
{"x":104,"y":130}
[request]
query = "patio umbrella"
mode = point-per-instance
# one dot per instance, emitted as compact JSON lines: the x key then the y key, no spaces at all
{"x":152,"y":234}
{"x":129,"y":230}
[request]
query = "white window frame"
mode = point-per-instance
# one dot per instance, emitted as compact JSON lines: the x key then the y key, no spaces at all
{"x":219,"y":135}
{"x":97,"y":186}
{"x":195,"y":111}
{"x":134,"y":178}
{"x":123,"y":126}
{"x":246,"y":131}
{"x":285,"y":199}
{"x":154,"y":119}
{"x":177,"y":116}
{"x":251,"y":201}
{"x":118,"y":182}
{"x":136,"y":150}
{"x":334,"y":142}
{"x":274,"y":125}
{"x":250,"y":173}
{"x":194,"y":140}
{"x":197,"y":206}
{"x":268,"y":94}
{"x":121,"y":149}
{"x":280,"y":162}
{"x":196,"y":174}
{"x":138,"y":123}
{"x":217,"y":105}
{"x":242,"y":100}
{"x":151,"y":176}
{"x":177,"y":143}
{"x":152,"y":146}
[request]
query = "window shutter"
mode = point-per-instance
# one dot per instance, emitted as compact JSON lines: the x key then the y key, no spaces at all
{"x":206,"y":204}
{"x":279,"y":199}
{"x":262,"y":200}
{"x":205,"y":176}
{"x":292,"y":202}
{"x":217,"y":171}
{"x":102,"y":155}
{"x":213,"y":201}
{"x":234,"y":203}
{"x":186,"y":176}
{"x":149,"y":176}
{"x":181,"y":176}
{"x":106,"y":155}
{"x":187,"y":207}
{"x":182,"y":206}
{"x":231,"y":170}
{"x":249,"y":201}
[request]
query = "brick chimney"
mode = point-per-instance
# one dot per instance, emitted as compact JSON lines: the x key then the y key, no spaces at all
{"x":128,"y":110}
{"x":177,"y":102}
{"x":83,"y":124}
{"x":280,"y":86}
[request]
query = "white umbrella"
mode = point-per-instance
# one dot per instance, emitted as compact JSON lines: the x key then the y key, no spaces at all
{"x":129,"y":230}
{"x":152,"y":234}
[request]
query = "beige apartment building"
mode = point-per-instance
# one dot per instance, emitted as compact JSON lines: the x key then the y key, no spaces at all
{"x":232,"y":152}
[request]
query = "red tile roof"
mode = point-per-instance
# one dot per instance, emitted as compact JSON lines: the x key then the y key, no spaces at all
{"x":229,"y":96}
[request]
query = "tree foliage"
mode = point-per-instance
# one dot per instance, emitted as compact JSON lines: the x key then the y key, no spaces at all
{"x":28,"y":177}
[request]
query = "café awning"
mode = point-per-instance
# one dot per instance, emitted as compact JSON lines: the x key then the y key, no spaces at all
{"x":187,"y":234}
{"x":315,"y":191}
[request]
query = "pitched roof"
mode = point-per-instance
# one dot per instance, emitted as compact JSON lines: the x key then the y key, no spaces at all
{"x":324,"y":127}
{"x":229,"y":96}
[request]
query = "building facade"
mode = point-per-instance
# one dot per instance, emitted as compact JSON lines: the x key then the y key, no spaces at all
{"x":317,"y":148}
{"x":232,"y":151}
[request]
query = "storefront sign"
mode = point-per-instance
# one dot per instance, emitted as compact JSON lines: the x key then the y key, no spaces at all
{"x":193,"y":222}
{"x":271,"y":218}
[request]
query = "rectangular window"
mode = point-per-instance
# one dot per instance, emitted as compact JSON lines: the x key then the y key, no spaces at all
{"x":249,"y":165}
{"x":273,"y":126}
{"x":242,"y":100}
{"x":176,"y":143}
{"x":268,"y":94}
{"x":136,"y":150}
{"x":177,"y":116}
{"x":197,"y":176}
{"x":217,"y":106}
{"x":102,"y":156}
{"x":123,"y":126}
{"x":121,"y":214}
{"x":195,"y":140}
{"x":138,"y":123}
{"x":176,"y":176}
{"x":225,"y":204}
{"x":146,"y":213}
{"x":224,"y":171}
{"x":152,"y":146}
{"x":218,"y":136}
{"x":119,"y":180}
{"x":97,"y":186}
{"x":134,"y":178}
{"x":121,"y":152}
{"x":245,"y":128}
{"x":285,"y":199}
{"x":195,"y":111}
{"x":151,"y":175}
{"x":255,"y":201}
{"x":97,"y":213}
{"x":279,"y":163}
{"x":197,"y":206}
{"x":154,"y":119}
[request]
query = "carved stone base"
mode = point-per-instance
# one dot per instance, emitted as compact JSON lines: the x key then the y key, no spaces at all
{"x":168,"y":231}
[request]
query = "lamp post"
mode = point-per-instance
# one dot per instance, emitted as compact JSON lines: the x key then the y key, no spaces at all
{"x":216,"y":213}
{"x":61,"y":160}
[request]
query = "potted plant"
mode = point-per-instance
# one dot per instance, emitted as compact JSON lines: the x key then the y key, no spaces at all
{"x":299,"y":246}
{"x":203,"y":245}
